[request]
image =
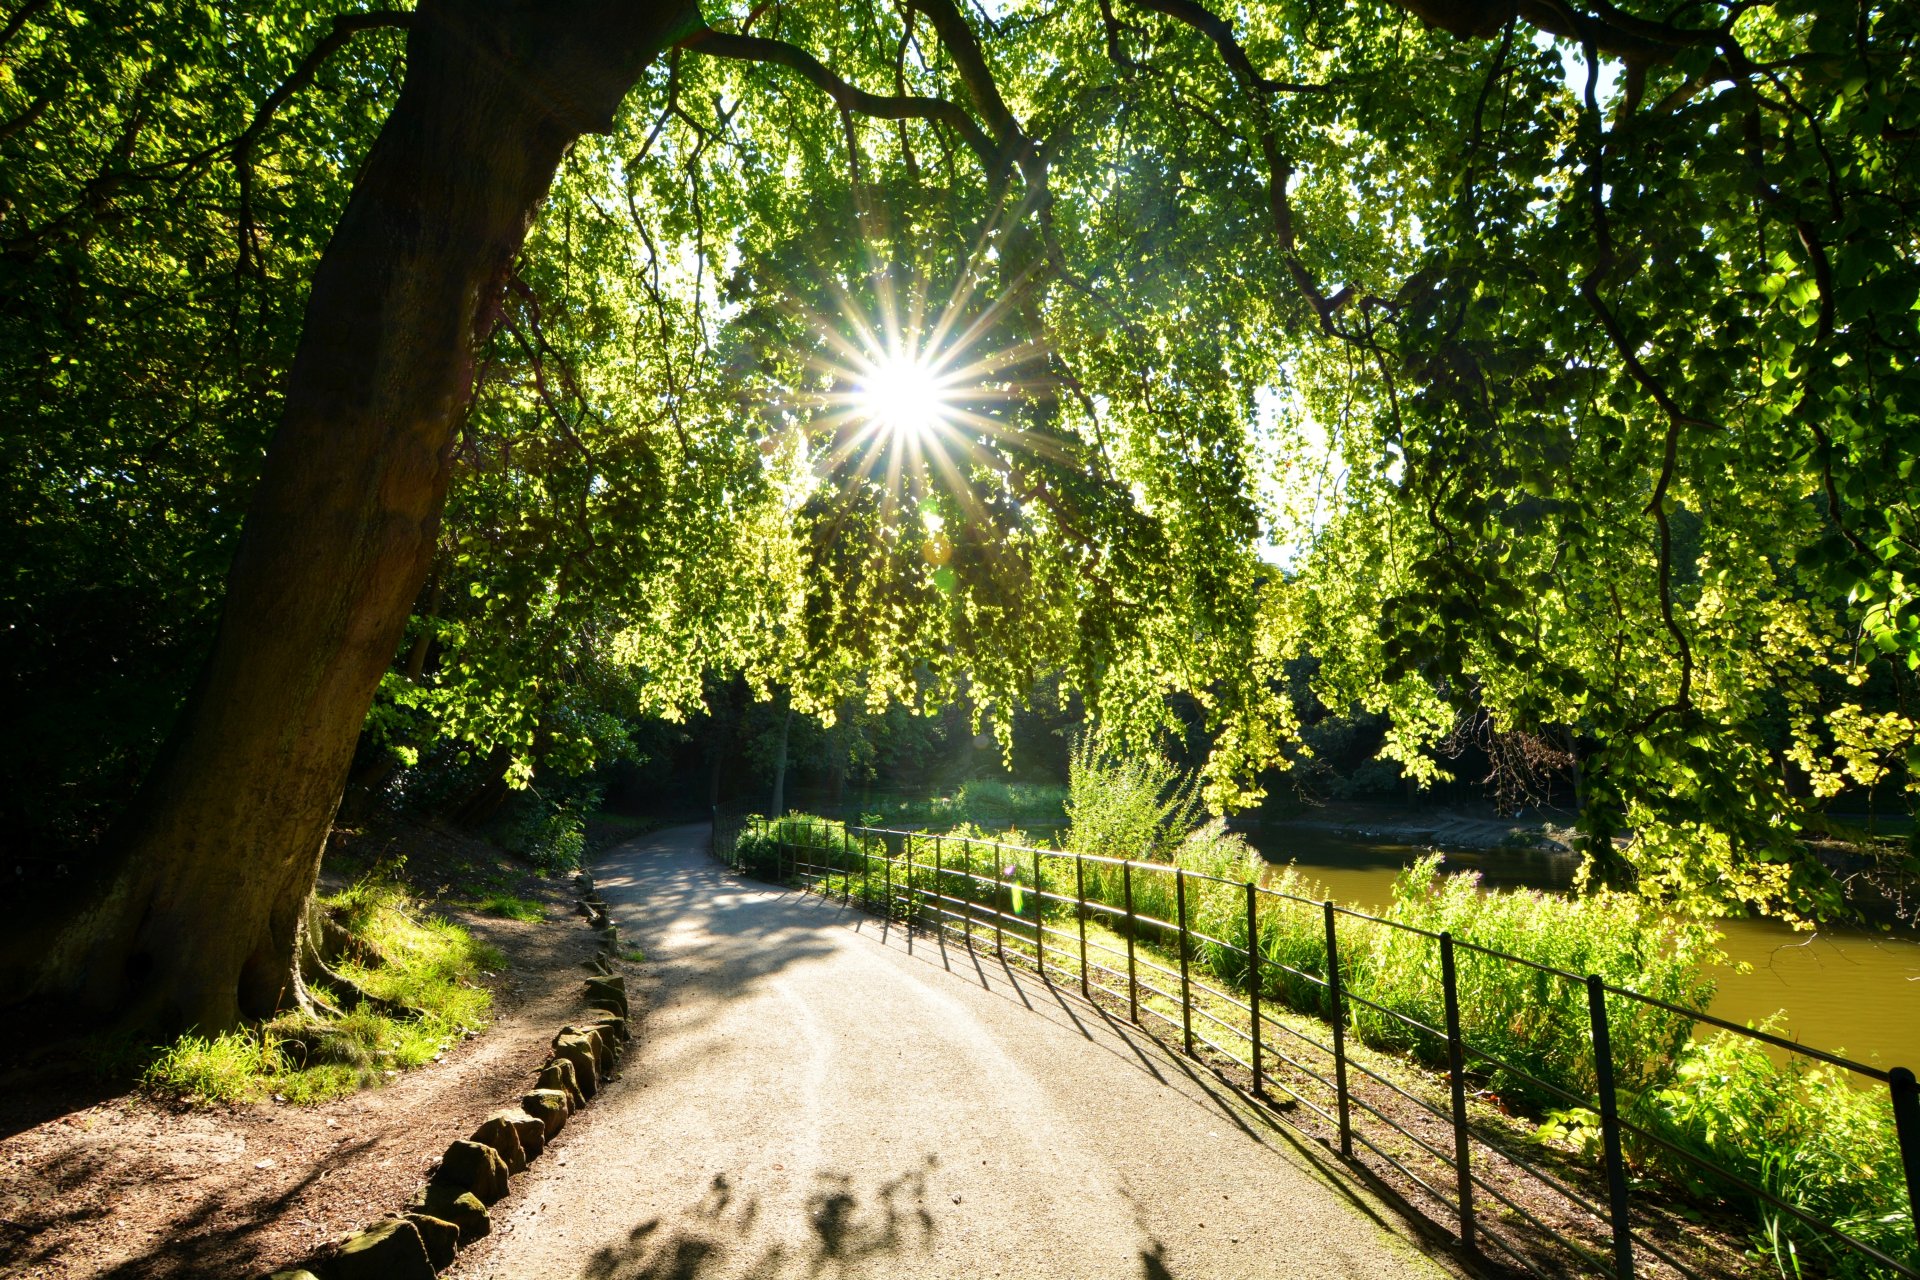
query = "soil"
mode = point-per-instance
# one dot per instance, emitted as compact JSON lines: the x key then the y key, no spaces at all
{"x":107,"y":1181}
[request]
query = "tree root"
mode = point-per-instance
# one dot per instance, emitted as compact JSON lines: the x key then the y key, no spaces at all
{"x":322,"y":941}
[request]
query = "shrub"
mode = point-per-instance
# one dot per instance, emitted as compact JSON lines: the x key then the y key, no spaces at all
{"x":1137,"y":806}
{"x":1801,"y":1131}
{"x":1533,"y":1020}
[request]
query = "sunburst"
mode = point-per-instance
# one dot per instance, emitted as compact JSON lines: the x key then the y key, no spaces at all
{"x":911,"y":392}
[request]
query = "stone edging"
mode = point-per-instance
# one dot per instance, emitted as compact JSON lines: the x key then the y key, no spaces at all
{"x":450,"y":1212}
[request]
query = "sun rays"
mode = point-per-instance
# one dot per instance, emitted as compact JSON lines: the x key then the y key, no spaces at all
{"x":916,"y":393}
{"x":903,"y":396}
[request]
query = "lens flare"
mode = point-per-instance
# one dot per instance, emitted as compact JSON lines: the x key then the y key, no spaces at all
{"x":903,"y":397}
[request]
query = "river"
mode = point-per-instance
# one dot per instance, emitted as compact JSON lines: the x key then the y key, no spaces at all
{"x":1844,"y":990}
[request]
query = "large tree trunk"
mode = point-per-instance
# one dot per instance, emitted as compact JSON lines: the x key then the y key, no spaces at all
{"x":199,"y":922}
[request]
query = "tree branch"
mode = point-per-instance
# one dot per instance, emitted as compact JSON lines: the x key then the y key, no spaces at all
{"x":345,"y":27}
{"x":1218,"y":30}
{"x":721,"y":44}
{"x":18,"y":19}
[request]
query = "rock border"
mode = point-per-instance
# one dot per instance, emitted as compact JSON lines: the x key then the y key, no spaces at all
{"x":450,"y":1211}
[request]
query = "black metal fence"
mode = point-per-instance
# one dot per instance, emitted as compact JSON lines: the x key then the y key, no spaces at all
{"x":990,"y":894}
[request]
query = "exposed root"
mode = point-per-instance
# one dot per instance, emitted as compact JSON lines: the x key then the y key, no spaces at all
{"x":323,"y":940}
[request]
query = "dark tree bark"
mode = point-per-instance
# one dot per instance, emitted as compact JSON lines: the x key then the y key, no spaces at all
{"x":199,"y":919}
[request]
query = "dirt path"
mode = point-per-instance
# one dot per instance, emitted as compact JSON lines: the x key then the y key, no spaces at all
{"x":811,"y":1097}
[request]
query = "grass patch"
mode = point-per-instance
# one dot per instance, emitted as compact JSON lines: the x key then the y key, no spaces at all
{"x":511,"y":907}
{"x":420,"y":962}
{"x":225,"y":1069}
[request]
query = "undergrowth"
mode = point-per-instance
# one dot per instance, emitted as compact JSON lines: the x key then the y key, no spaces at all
{"x":425,"y":964}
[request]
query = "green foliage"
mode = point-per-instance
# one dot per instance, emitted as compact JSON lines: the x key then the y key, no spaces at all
{"x":1803,"y":1132}
{"x":1532,"y":1019}
{"x":765,"y":845}
{"x":1134,"y":805}
{"x":979,"y":803}
{"x":548,"y":829}
{"x":1581,"y":401}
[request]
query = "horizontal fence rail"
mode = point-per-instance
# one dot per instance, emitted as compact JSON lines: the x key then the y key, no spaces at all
{"x":989,"y":894}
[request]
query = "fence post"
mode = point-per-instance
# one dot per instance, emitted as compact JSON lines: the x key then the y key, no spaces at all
{"x":1457,"y":1076}
{"x":1253,"y":984}
{"x":1337,"y":997}
{"x":1610,"y":1130}
{"x":966,"y":855}
{"x":887,"y":914}
{"x":938,"y":907}
{"x":1133,"y":978}
{"x":999,"y":922}
{"x":846,"y":866}
{"x":1906,"y":1127}
{"x":1039,"y":921}
{"x":1186,"y":993}
{"x":1080,"y":908}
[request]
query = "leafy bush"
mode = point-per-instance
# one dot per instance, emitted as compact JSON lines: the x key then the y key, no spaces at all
{"x":769,"y":847}
{"x":1801,"y":1131}
{"x":1534,"y":1020}
{"x":554,"y":840}
{"x":1120,"y":806}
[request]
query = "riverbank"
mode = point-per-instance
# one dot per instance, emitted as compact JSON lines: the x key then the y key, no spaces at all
{"x":1539,"y":830}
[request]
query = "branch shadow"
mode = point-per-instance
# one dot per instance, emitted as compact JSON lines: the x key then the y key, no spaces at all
{"x":718,"y":1236}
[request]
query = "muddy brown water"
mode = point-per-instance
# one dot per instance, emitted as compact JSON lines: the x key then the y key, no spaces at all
{"x":1849,"y":991}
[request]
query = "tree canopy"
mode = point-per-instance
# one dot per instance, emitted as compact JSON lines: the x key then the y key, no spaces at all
{"x":1550,"y":363}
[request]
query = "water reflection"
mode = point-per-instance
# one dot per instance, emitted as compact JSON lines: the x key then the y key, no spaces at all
{"x":1844,"y":990}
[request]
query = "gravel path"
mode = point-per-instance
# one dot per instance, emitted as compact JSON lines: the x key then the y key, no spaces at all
{"x":811,"y":1098}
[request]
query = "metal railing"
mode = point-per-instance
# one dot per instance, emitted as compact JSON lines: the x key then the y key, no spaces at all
{"x":979,"y":891}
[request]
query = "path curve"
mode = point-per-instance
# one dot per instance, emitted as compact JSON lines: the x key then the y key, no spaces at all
{"x":810,"y":1098}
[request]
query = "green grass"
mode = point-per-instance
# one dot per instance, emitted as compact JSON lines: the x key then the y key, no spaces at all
{"x":513,"y":908}
{"x":234,"y":1067}
{"x":425,"y":963}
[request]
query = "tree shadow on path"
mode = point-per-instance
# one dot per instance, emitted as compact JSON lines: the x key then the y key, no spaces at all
{"x":723,"y":1236}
